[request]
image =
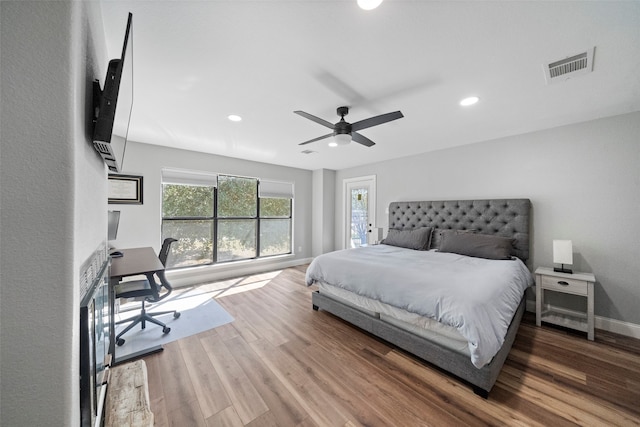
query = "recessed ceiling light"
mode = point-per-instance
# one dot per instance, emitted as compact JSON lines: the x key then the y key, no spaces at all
{"x":369,"y":4}
{"x":234,"y":118}
{"x":333,"y":144}
{"x":469,"y":101}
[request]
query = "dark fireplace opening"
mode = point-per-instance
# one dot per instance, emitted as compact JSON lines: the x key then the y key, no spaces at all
{"x":94,"y":339}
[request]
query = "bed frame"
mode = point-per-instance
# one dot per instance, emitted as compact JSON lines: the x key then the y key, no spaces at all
{"x":502,"y":217}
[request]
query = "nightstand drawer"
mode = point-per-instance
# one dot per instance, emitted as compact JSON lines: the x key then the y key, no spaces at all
{"x":562,"y":284}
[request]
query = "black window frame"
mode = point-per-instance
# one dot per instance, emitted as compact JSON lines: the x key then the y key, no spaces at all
{"x":215,"y":220}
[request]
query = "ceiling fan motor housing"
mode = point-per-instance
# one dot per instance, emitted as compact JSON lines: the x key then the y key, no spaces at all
{"x":342,"y":127}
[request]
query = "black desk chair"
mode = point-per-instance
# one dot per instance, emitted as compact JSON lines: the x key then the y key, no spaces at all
{"x":149,"y":290}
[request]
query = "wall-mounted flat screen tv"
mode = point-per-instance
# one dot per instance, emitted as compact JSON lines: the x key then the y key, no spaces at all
{"x":113,"y":105}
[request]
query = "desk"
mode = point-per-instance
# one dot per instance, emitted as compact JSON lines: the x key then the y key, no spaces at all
{"x":133,"y":262}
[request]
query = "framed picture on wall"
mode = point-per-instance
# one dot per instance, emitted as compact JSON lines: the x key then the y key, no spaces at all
{"x":125,"y":189}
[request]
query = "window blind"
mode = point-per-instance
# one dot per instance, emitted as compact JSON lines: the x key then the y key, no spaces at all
{"x":274,"y":189}
{"x":188,"y":177}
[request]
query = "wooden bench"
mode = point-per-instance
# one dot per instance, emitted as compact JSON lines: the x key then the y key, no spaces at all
{"x":127,"y":402}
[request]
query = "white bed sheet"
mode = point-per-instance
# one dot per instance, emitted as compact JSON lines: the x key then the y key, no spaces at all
{"x":476,"y":296}
{"x":444,"y":335}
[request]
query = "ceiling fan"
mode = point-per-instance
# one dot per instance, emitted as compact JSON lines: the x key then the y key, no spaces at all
{"x":344,"y":132}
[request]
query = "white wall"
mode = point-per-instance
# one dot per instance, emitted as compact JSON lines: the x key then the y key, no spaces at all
{"x":323,"y":214}
{"x":53,"y":206}
{"x":583,"y":181}
{"x":140,"y":225}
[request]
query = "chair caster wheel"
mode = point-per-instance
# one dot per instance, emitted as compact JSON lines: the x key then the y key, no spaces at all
{"x":176,"y":315}
{"x":166,"y":330}
{"x":120,"y":342}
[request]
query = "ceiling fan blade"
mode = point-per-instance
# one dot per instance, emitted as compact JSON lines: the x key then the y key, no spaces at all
{"x":340,"y":88}
{"x":371,"y":102}
{"x":315,"y":119}
{"x":361,"y":139}
{"x":316,"y":139}
{"x":377,"y":120}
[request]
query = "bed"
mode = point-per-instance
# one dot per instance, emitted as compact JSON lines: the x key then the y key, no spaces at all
{"x":447,"y":284}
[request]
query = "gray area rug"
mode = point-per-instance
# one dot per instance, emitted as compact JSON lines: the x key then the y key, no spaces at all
{"x":198,"y":312}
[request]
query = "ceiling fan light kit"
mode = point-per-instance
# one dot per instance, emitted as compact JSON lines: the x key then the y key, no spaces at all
{"x":341,"y":139}
{"x":345,"y":132}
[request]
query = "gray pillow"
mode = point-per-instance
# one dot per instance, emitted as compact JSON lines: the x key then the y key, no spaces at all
{"x":418,"y":239}
{"x":476,"y":245}
{"x":436,"y":236}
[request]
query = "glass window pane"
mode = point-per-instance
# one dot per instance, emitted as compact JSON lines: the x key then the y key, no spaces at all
{"x":236,"y":239}
{"x":194,"y":245}
{"x":275,"y":236}
{"x":275,"y":208}
{"x":237,"y":197}
{"x":359,"y":216}
{"x":187,"y":201}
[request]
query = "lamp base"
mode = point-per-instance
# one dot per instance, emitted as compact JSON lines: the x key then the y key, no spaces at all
{"x":563,"y":270}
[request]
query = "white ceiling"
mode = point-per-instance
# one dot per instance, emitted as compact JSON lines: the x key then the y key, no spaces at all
{"x":196,"y":62}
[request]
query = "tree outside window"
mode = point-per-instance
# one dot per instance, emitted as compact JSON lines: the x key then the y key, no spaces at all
{"x":187,"y":214}
{"x":224,"y":224}
{"x":275,"y":226}
{"x":359,"y":217}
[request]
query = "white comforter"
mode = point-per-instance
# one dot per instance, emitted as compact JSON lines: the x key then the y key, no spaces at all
{"x":476,"y":296}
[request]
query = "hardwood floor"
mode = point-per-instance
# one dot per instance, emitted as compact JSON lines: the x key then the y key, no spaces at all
{"x":282,"y":364}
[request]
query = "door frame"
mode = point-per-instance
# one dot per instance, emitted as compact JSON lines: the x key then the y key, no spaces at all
{"x":348,"y":184}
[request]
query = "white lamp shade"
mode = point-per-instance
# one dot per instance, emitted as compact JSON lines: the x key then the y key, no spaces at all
{"x":375,"y":235}
{"x":562,"y":252}
{"x":342,"y":138}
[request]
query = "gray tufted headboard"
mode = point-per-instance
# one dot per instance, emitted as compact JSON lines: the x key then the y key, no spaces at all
{"x":502,"y":217}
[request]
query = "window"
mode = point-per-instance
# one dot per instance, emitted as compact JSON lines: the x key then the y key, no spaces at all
{"x":276,"y":200}
{"x":237,"y":218}
{"x":275,"y":226}
{"x":224,"y":218}
{"x":187,"y":215}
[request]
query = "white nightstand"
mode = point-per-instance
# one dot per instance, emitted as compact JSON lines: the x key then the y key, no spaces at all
{"x":577,"y":284}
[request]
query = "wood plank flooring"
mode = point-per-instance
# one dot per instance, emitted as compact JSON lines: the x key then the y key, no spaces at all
{"x":279,"y":363}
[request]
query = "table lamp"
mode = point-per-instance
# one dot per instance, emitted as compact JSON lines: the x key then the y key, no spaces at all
{"x":562,"y":254}
{"x":375,"y":235}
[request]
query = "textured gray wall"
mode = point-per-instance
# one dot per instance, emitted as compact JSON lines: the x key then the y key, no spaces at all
{"x":53,"y":204}
{"x":583,"y":181}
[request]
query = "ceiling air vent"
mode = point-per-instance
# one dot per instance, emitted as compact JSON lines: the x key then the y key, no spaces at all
{"x":564,"y":69}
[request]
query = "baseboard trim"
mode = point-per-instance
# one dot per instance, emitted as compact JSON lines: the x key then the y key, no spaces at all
{"x":617,"y":326}
{"x":606,"y":324}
